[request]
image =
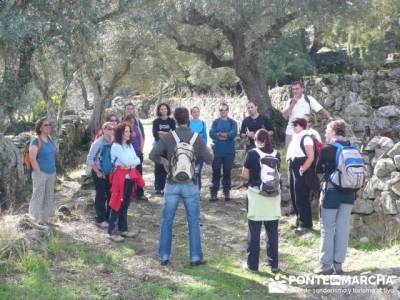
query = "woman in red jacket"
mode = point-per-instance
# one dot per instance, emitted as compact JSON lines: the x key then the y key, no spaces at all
{"x":123,"y":180}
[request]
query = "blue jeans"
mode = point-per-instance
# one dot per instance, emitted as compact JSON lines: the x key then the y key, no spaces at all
{"x":198,"y":168}
{"x":225,"y":162}
{"x":190,"y":195}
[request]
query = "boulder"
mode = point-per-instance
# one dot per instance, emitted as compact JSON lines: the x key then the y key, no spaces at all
{"x":394,"y":151}
{"x":388,"y":111}
{"x":395,"y":188}
{"x":376,"y":226}
{"x":364,"y":207}
{"x":379,"y":142}
{"x":12,"y":178}
{"x":384,"y":167}
{"x":385,"y":204}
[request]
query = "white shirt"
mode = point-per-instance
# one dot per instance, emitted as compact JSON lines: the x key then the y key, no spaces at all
{"x":300,"y":109}
{"x":294,"y":149}
{"x":315,"y":133}
{"x":124,"y":156}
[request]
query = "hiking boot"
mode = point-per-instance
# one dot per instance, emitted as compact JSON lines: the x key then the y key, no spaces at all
{"x":337,"y":268}
{"x":323,"y":270}
{"x":275,"y":270}
{"x":116,"y":238}
{"x":213,"y":199}
{"x":128,"y":234}
{"x":164,"y":262}
{"x":143,"y":198}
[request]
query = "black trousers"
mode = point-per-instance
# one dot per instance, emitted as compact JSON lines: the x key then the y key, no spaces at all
{"x":253,"y":246}
{"x":140,"y":191}
{"x":102,"y":187}
{"x":160,"y":177}
{"x":119,"y":219}
{"x":300,"y":194}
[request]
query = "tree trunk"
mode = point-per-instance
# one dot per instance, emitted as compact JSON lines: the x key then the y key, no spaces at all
{"x":84,"y":92}
{"x":98,"y":105}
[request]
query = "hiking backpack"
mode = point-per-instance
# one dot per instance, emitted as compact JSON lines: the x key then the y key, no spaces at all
{"x":26,"y":160}
{"x":106,"y":165}
{"x":269,"y":174}
{"x":349,"y":171}
{"x":182,"y":160}
{"x":316,"y":143}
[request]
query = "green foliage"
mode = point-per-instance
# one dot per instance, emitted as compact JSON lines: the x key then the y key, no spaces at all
{"x":38,"y":108}
{"x":287,"y":58}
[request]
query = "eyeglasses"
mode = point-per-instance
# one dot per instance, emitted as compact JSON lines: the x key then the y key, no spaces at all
{"x":113,"y":120}
{"x":222,"y":110}
{"x":109,"y":128}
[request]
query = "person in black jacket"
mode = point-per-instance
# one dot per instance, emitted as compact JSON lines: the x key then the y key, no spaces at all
{"x":161,"y":126}
{"x":335,"y":206}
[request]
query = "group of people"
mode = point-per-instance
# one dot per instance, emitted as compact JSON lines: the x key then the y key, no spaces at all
{"x":116,"y":158}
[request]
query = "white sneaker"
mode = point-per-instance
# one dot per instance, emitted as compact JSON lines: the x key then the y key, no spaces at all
{"x":103,"y":224}
{"x":128,"y":234}
{"x":116,"y":238}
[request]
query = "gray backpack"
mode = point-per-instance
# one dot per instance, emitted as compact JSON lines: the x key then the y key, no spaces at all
{"x":269,"y":174}
{"x":182,"y":161}
{"x":349,"y":173}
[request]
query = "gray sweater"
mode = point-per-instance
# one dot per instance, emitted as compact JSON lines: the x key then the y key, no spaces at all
{"x":167,"y":144}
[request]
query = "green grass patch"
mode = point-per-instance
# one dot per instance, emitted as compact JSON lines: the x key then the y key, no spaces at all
{"x":365,"y":246}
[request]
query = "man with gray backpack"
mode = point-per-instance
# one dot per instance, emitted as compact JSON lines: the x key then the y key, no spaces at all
{"x":183,"y":148}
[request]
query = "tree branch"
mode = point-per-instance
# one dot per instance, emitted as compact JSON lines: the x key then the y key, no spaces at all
{"x":196,"y":18}
{"x":275,"y":30}
{"x":211,"y":58}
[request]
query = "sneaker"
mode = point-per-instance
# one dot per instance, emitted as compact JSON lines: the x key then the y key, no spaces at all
{"x":128,"y":234}
{"x":303,"y":231}
{"x":164,"y":262}
{"x":337,"y":268}
{"x":197,"y":263}
{"x":103,"y":224}
{"x":323,"y":270}
{"x":213,"y":199}
{"x":143,"y":198}
{"x":227,"y":198}
{"x":245,"y":266}
{"x":116,"y":238}
{"x":159,"y":192}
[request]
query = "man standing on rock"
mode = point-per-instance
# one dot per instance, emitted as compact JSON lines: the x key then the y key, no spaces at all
{"x":223,"y":133}
{"x":137,"y":141}
{"x":252,"y":123}
{"x":298,"y":106}
{"x":181,"y":187}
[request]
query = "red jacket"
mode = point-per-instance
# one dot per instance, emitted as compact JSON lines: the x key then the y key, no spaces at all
{"x":117,"y":181}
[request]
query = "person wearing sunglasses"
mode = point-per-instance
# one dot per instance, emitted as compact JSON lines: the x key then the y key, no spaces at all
{"x":99,"y":151}
{"x":223,"y":132}
{"x":42,"y":155}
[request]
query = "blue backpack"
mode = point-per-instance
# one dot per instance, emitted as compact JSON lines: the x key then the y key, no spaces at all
{"x":106,"y":164}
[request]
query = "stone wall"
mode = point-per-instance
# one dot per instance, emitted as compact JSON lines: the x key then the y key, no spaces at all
{"x":376,"y":213}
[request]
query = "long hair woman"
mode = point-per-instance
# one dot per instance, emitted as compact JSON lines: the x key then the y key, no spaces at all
{"x":125,"y":180}
{"x":42,"y":155}
{"x":335,"y":204}
{"x":263,"y":209}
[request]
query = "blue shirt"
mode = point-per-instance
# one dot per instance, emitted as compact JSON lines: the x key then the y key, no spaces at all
{"x":223,"y":147}
{"x":200,"y":127}
{"x":124,"y":156}
{"x":46,"y":156}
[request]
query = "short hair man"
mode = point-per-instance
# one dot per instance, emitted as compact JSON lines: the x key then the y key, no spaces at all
{"x":223,"y":133}
{"x":252,"y":123}
{"x":298,"y":106}
{"x":174,"y":191}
